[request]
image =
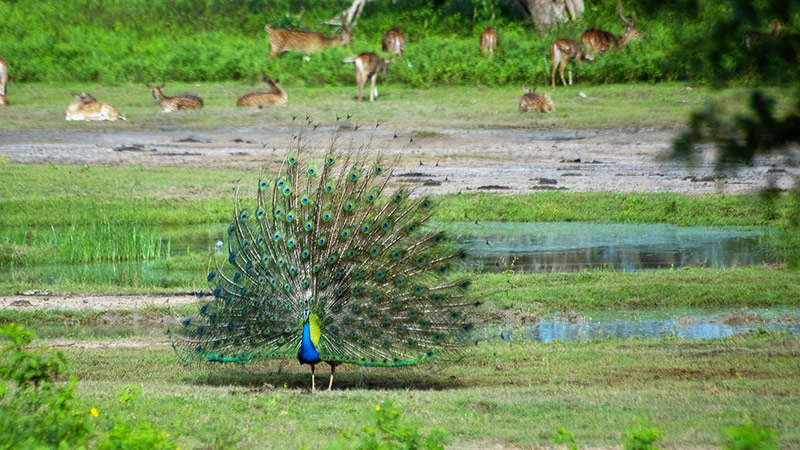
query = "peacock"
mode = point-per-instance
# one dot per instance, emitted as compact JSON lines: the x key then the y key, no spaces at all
{"x":327,"y":264}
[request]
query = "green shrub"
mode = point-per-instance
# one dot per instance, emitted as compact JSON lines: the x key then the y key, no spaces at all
{"x":389,"y":433}
{"x":641,"y":437}
{"x":163,"y":40}
{"x":749,"y":437}
{"x":143,"y":437}
{"x":565,"y":437}
{"x":35,"y":412}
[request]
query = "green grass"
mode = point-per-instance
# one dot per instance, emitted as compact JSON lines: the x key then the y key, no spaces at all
{"x":531,"y":294}
{"x":498,"y":395}
{"x":40,"y":105}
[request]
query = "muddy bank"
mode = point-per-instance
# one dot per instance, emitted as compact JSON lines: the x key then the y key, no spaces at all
{"x":93,"y":302}
{"x":442,"y":161}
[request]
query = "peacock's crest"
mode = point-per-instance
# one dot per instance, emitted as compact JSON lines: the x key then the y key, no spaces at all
{"x":327,"y":247}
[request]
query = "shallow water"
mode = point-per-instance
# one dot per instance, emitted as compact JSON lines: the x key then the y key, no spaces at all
{"x":690,"y":325}
{"x":491,"y":246}
{"x":577,"y":246}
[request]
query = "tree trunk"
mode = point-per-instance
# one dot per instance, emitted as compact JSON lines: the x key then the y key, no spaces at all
{"x":547,"y":13}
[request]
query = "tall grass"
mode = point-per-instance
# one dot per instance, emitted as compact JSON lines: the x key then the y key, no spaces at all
{"x":85,"y":243}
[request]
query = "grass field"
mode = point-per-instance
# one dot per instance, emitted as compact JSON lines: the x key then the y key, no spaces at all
{"x":499,"y":396}
{"x":38,"y":105}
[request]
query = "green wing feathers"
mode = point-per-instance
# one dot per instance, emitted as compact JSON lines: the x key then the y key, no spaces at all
{"x":324,"y":235}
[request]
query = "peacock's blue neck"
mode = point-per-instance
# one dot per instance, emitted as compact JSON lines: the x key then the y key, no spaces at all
{"x":308,"y":353}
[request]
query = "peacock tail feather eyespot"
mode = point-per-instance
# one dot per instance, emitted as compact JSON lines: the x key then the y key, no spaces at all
{"x":211,"y":276}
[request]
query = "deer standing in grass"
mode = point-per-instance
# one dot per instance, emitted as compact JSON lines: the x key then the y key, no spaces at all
{"x":599,"y":41}
{"x":752,"y":37}
{"x":3,"y":82}
{"x":367,"y":65}
{"x":562,"y":51}
{"x":86,"y":107}
{"x":176,"y":103}
{"x":533,"y":102}
{"x":276,"y":96}
{"x":287,"y":40}
{"x":394,"y":41}
{"x":489,"y":40}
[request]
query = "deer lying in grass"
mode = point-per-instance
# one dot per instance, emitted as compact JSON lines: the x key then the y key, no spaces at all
{"x":394,"y":41}
{"x":287,"y":40}
{"x":176,"y":103}
{"x":276,"y":96}
{"x":86,"y":107}
{"x":533,"y":102}
{"x":599,"y":41}
{"x":3,"y":82}
{"x":489,"y":40}
{"x":367,"y":65}
{"x":752,"y":37}
{"x":562,"y":51}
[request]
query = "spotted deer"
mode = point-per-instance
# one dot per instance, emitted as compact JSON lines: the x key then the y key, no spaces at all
{"x":599,"y":41}
{"x":394,"y":41}
{"x":489,"y":40}
{"x":752,"y":37}
{"x":86,"y":107}
{"x":367,"y":65}
{"x":276,"y":96}
{"x":533,"y":102}
{"x":175,"y":103}
{"x":288,"y":40}
{"x":3,"y":82}
{"x":562,"y":51}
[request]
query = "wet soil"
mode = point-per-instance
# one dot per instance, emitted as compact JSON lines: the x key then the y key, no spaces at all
{"x":443,"y":161}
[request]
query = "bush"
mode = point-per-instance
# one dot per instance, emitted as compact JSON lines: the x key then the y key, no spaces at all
{"x":749,"y":437}
{"x":37,"y":412}
{"x":641,"y":437}
{"x":389,"y":433}
{"x":164,"y":40}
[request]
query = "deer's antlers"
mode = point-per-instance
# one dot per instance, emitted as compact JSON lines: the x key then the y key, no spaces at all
{"x":628,"y":22}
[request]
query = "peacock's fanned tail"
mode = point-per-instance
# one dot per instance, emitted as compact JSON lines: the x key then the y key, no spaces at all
{"x":326,"y":236}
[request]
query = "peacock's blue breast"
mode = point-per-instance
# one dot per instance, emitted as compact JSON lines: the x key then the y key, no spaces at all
{"x":308,"y":353}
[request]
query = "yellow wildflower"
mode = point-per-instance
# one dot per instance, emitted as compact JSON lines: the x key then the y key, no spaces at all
{"x":378,"y":408}
{"x":94,"y":412}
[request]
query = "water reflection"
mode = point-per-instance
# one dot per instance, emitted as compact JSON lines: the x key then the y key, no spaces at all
{"x":569,"y":247}
{"x":696,"y":326}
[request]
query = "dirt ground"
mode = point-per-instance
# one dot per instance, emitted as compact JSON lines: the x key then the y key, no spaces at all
{"x":40,"y":301}
{"x":442,"y":161}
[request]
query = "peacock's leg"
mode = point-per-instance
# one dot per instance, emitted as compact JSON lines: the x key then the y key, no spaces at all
{"x":312,"y":378}
{"x":330,"y":383}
